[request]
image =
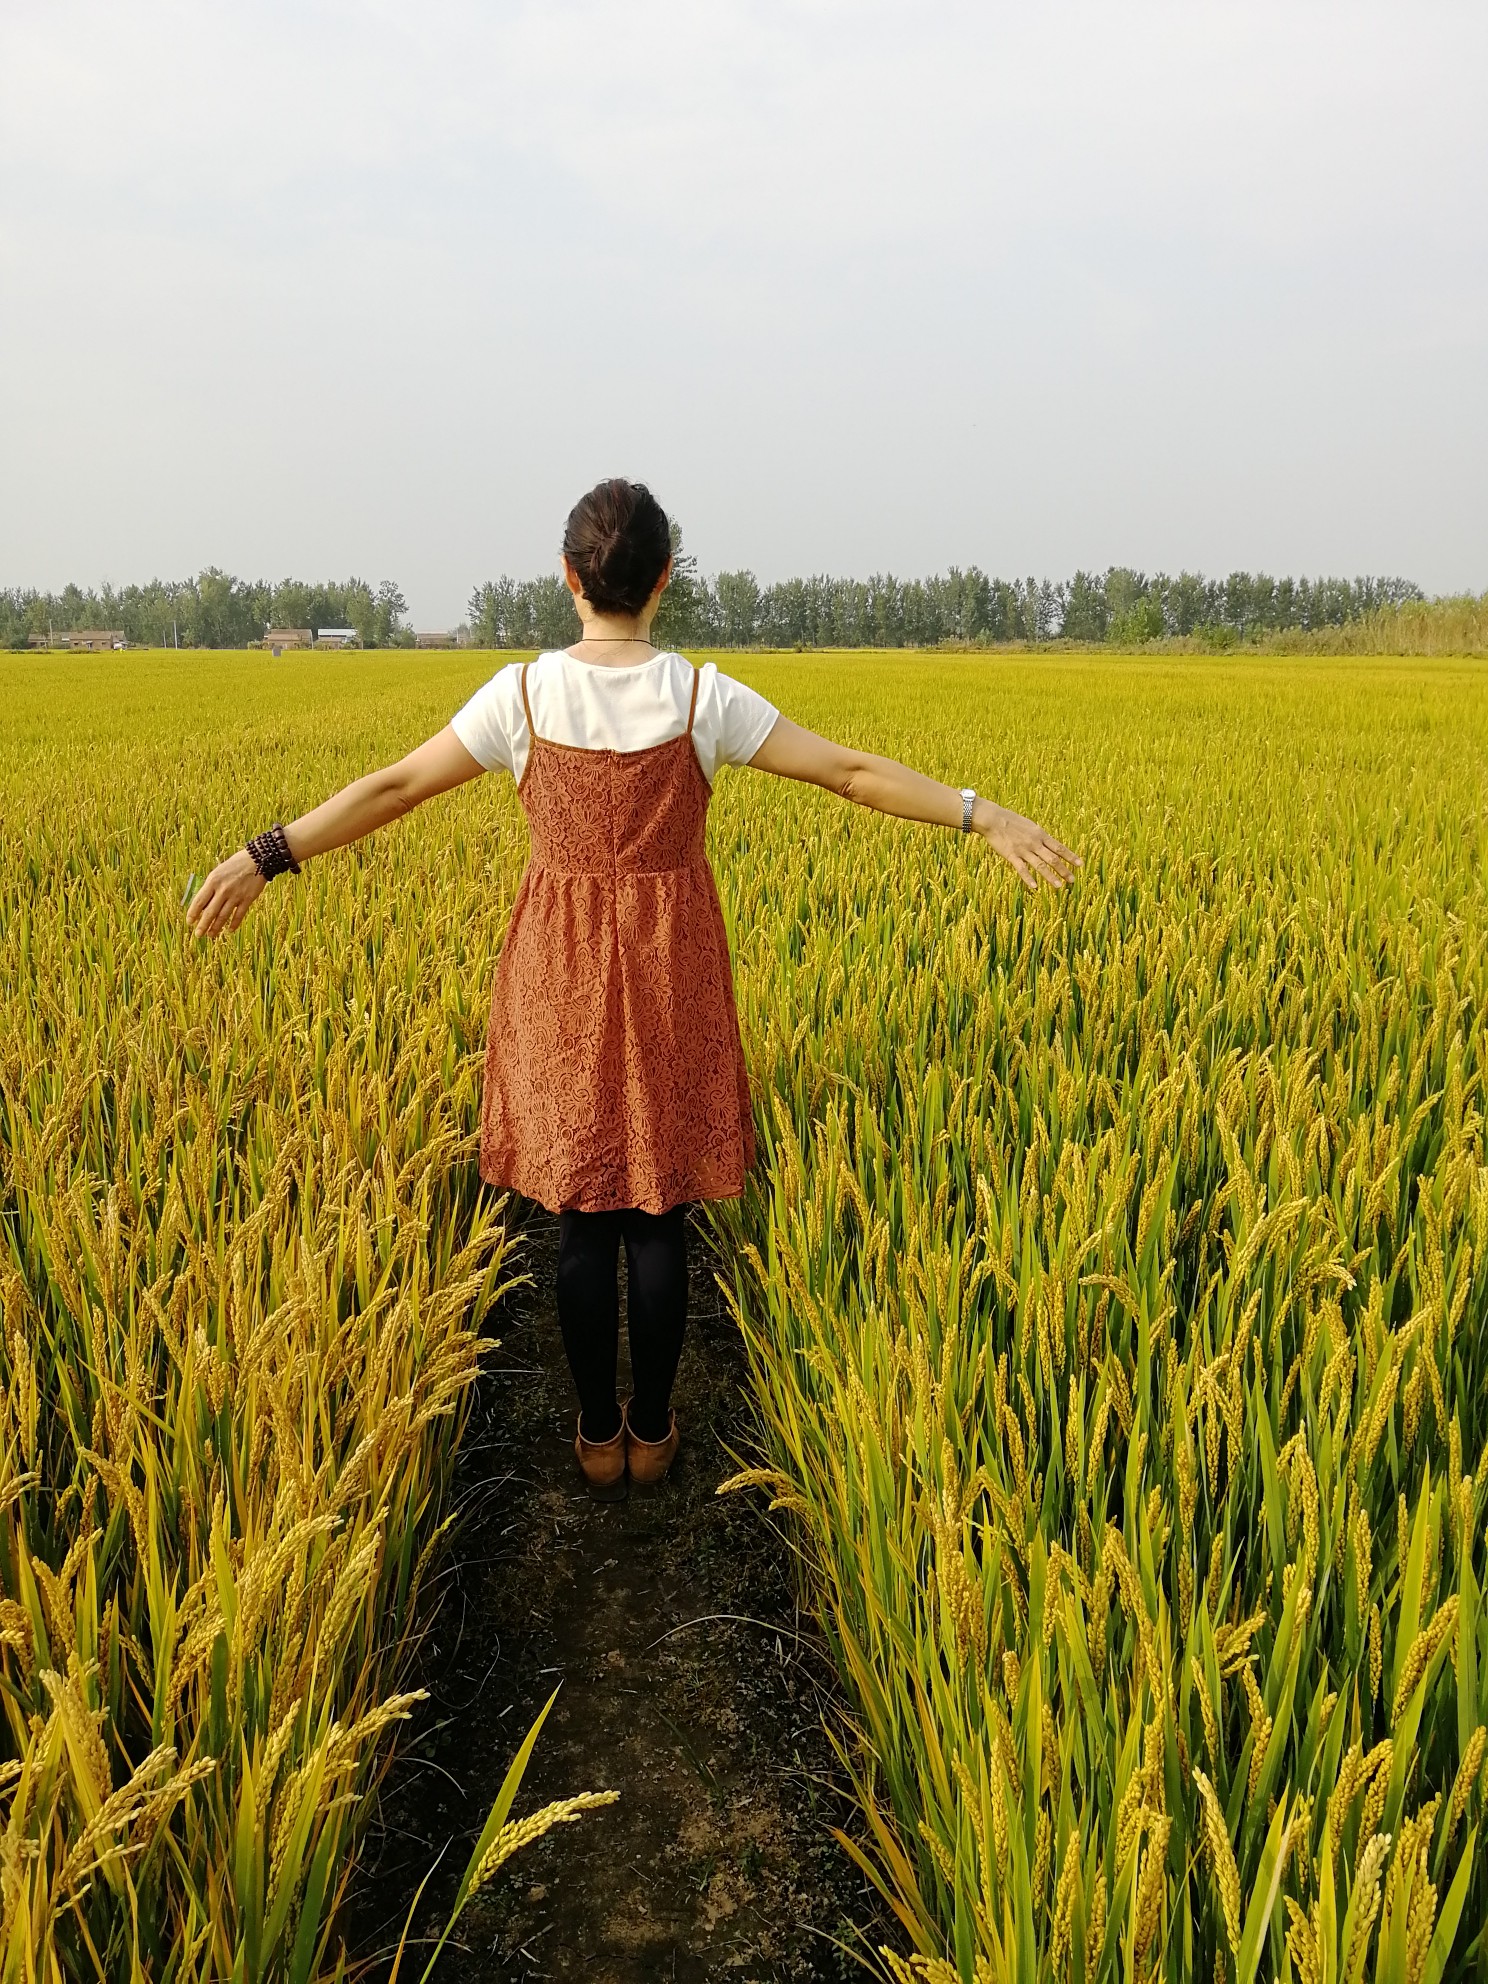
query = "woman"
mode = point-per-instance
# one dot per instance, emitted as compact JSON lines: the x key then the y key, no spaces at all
{"x":615,"y":1090}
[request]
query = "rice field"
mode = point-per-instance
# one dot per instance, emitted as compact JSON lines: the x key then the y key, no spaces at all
{"x":1113,"y":1279}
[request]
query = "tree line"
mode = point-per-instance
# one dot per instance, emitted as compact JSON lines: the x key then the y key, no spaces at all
{"x":1121,"y":606}
{"x":213,"y":610}
{"x":734,"y":610}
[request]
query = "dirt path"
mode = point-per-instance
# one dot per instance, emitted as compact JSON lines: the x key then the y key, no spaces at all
{"x":689,"y":1685}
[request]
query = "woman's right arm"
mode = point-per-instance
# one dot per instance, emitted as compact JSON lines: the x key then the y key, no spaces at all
{"x":357,"y":810}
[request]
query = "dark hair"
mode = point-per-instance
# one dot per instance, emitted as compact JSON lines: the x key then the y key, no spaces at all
{"x":618,"y":540}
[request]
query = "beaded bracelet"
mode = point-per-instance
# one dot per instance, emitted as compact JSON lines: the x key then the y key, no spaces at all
{"x":271,"y":855}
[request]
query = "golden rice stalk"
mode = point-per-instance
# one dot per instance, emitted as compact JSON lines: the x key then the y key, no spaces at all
{"x":1221,"y":1859}
{"x":1462,"y":1787}
{"x":517,"y":1833}
{"x":1366,"y":1903}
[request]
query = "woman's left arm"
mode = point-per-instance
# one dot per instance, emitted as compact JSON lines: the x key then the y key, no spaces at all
{"x":889,"y":787}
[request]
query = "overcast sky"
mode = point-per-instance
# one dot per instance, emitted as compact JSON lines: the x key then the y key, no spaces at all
{"x":325,"y":288}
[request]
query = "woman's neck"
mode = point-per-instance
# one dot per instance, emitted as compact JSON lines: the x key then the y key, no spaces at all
{"x":613,"y":640}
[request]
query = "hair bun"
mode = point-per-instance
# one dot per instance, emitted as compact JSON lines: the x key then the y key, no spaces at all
{"x":618,"y":541}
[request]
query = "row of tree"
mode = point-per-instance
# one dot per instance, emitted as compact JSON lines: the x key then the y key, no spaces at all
{"x":214,"y":610}
{"x":734,"y":610}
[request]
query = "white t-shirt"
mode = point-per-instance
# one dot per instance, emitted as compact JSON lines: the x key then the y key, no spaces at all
{"x":613,"y":709}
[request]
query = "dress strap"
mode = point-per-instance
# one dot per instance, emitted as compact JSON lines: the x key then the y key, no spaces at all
{"x":692,"y":706}
{"x":526,"y":706}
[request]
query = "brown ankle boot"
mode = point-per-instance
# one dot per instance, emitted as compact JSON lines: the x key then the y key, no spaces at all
{"x":602,"y":1463}
{"x":648,"y":1460}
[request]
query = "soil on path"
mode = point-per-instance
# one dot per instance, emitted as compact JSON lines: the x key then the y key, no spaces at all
{"x":690,"y":1684}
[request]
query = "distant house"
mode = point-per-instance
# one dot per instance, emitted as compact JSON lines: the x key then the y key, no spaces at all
{"x":89,"y":640}
{"x":435,"y":641}
{"x":338,"y":637}
{"x":277,"y":639}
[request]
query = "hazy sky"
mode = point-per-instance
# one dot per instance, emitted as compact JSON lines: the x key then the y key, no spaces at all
{"x":326,"y":288}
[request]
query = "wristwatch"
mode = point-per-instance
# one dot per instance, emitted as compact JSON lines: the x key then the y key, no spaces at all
{"x":968,"y":800}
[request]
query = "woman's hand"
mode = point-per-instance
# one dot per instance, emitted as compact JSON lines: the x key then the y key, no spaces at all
{"x":226,"y":896}
{"x":1033,"y":854}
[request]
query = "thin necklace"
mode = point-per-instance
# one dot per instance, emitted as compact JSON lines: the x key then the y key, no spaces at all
{"x":610,"y":640}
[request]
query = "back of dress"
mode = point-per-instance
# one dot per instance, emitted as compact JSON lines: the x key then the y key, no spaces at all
{"x":614,"y":1069}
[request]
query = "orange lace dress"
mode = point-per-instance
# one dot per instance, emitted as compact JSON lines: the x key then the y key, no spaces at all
{"x":614,"y":1070}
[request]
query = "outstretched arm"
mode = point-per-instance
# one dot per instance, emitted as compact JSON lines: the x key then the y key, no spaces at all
{"x":889,"y":787}
{"x":358,"y":809}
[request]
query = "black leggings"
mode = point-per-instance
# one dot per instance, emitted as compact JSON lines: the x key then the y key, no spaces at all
{"x":656,"y":1312}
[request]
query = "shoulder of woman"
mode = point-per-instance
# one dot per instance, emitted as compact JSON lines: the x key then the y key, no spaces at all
{"x":715,"y":681}
{"x":503,"y":692}
{"x":680,"y":667}
{"x":493,"y":686}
